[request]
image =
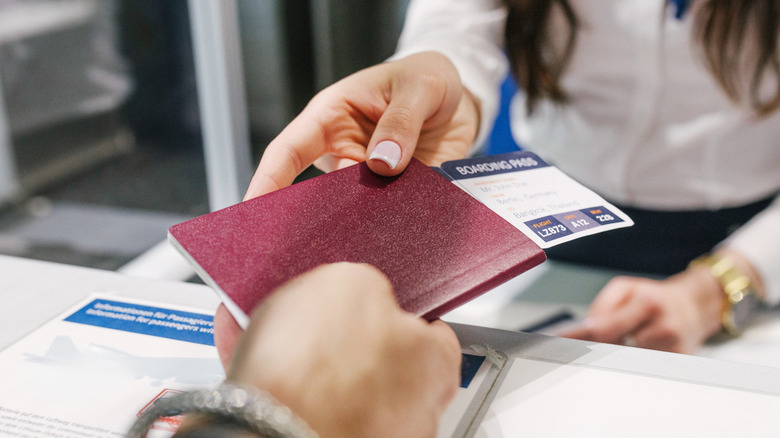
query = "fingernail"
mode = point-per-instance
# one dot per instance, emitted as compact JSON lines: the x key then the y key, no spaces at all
{"x":387,"y":151}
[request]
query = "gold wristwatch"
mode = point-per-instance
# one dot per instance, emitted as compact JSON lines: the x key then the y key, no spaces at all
{"x":740,"y":300}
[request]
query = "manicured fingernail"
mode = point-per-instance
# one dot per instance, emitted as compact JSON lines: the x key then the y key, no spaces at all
{"x":387,"y":151}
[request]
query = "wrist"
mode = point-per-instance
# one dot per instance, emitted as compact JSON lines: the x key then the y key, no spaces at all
{"x":708,"y":298}
{"x":738,"y":296}
{"x":305,"y":395}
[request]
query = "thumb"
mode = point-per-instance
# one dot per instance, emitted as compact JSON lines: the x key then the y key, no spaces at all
{"x":226,"y":335}
{"x":417,"y":100}
{"x":396,"y":134}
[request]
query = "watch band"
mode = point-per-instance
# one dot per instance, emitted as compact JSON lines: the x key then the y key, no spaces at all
{"x":740,"y":297}
{"x":251,"y":408}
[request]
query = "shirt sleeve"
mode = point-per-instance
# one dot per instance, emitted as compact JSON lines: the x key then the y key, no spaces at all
{"x":470,"y":33}
{"x":759,"y":242}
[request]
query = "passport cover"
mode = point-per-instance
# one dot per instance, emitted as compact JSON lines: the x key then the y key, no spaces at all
{"x":438,"y":246}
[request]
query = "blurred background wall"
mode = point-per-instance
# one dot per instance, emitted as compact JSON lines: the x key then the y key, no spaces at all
{"x":294,"y":48}
{"x":100,"y":121}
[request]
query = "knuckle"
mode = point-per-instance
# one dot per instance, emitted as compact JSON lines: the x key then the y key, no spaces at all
{"x":402,"y":115}
{"x":293,"y":155}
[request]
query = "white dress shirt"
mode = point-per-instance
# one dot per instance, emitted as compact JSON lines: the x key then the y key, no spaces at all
{"x":647,"y":124}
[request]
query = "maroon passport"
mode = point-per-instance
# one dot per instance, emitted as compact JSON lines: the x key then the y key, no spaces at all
{"x":438,"y":246}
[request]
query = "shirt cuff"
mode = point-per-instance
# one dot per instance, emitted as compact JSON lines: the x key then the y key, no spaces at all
{"x":759,"y":242}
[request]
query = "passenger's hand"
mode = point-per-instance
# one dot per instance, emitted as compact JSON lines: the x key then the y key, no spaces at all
{"x":383,"y":114}
{"x":335,"y":347}
{"x":226,"y":334}
{"x":677,"y":314}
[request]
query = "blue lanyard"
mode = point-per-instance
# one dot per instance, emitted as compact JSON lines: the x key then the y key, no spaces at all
{"x":680,"y":6}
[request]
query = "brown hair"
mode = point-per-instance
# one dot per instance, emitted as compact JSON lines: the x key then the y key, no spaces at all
{"x":739,"y":43}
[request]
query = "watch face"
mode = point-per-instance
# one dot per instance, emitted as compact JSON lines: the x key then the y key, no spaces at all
{"x":742,"y":310}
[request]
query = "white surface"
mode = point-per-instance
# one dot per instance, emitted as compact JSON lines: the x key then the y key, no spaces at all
{"x":592,"y":402}
{"x":553,"y":387}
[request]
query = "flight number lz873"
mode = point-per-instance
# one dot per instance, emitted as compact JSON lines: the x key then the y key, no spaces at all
{"x":550,"y":231}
